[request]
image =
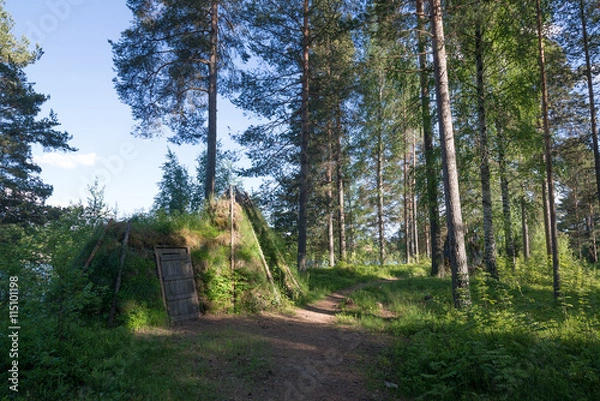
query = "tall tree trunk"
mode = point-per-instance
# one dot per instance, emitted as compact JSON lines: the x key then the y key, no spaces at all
{"x":427,"y":241}
{"x":413,"y":186}
{"x":593,"y":235}
{"x":407,"y":236}
{"x":351,"y":228}
{"x":330,"y":202}
{"x":437,"y":246}
{"x":484,"y":166}
{"x":458,"y":255}
{"x":211,"y":143}
{"x":548,"y":143}
{"x":524,"y":228}
{"x":304,"y":141}
{"x":546,"y":211}
{"x":339,"y":164}
{"x":509,"y":242}
{"x":380,"y":202}
{"x":577,"y":228}
{"x":590,"y":84}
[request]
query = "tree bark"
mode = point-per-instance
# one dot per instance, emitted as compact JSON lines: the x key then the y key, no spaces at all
{"x":592,"y":229}
{"x":380,"y":200}
{"x":546,"y":210}
{"x":304,"y":140}
{"x":590,"y":84}
{"x":330,"y":202}
{"x":413,"y":185}
{"x":484,"y":166}
{"x":436,"y":244}
{"x":458,"y":255}
{"x":524,"y":229}
{"x":577,"y":228}
{"x":232,"y":243}
{"x":339,"y":163}
{"x":509,"y":242}
{"x":351,"y":228}
{"x":407,"y":236}
{"x":548,"y":152}
{"x":211,"y":143}
{"x":427,"y":242}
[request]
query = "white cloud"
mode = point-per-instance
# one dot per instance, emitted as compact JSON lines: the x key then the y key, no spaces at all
{"x":67,"y":160}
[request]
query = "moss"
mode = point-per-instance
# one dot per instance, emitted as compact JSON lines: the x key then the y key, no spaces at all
{"x":208,"y":238}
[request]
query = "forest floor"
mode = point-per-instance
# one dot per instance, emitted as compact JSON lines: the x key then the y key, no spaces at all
{"x":305,"y":355}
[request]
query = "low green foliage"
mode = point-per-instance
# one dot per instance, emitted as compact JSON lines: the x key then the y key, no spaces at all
{"x":101,"y":364}
{"x":323,"y":281}
{"x":66,"y":349}
{"x":515,"y":342}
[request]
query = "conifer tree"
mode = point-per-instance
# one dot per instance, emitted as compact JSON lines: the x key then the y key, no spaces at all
{"x":22,"y":192}
{"x":548,"y":152}
{"x":225,"y":175}
{"x":282,"y":36}
{"x":175,"y":189}
{"x":167,"y":67}
{"x":580,"y":21}
{"x":430,"y":165}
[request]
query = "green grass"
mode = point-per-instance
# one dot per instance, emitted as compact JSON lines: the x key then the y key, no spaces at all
{"x":321,"y":282}
{"x":515,"y":342}
{"x":67,"y":352}
{"x":153,"y":364}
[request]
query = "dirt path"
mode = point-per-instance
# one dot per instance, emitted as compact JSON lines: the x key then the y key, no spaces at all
{"x":311,"y":358}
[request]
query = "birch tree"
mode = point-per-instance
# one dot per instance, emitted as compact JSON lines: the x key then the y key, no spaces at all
{"x":458,"y":257}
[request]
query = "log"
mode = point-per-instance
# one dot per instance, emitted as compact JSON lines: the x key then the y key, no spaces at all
{"x":265,"y":265}
{"x":113,"y":308}
{"x":98,"y":244}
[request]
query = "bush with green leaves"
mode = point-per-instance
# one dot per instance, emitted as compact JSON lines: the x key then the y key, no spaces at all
{"x":514,"y":342}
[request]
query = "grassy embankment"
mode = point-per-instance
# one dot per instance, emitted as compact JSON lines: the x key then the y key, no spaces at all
{"x":514,"y":343}
{"x":66,"y":350}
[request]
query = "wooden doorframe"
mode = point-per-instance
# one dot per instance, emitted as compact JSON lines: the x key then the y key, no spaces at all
{"x":158,"y":252}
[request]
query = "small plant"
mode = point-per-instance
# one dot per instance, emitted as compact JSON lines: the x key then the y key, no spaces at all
{"x":512,"y":343}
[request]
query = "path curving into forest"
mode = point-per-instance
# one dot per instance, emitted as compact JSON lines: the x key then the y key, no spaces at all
{"x":310,"y":358}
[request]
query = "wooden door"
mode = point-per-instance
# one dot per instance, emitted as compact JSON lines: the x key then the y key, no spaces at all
{"x":177,"y":282}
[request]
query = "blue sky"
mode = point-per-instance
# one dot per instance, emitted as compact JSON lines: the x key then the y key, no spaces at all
{"x":76,"y":70}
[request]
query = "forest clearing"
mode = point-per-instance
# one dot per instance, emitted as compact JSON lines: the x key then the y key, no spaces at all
{"x":425,"y":227}
{"x":357,"y":332}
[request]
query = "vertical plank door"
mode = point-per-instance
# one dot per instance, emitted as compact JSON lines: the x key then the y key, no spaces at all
{"x":177,"y":281}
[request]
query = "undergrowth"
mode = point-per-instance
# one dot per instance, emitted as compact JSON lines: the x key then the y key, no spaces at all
{"x":66,"y":350}
{"x":321,"y":282}
{"x":515,"y":342}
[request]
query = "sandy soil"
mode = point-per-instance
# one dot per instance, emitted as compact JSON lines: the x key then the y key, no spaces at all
{"x":311,"y":357}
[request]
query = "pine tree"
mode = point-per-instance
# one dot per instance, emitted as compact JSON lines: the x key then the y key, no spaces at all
{"x":167,"y":70}
{"x":282,"y":37}
{"x":175,"y":189}
{"x":580,"y":20}
{"x":430,"y":163}
{"x":333,"y":73}
{"x":225,"y":175}
{"x":548,"y":154}
{"x":22,"y":192}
